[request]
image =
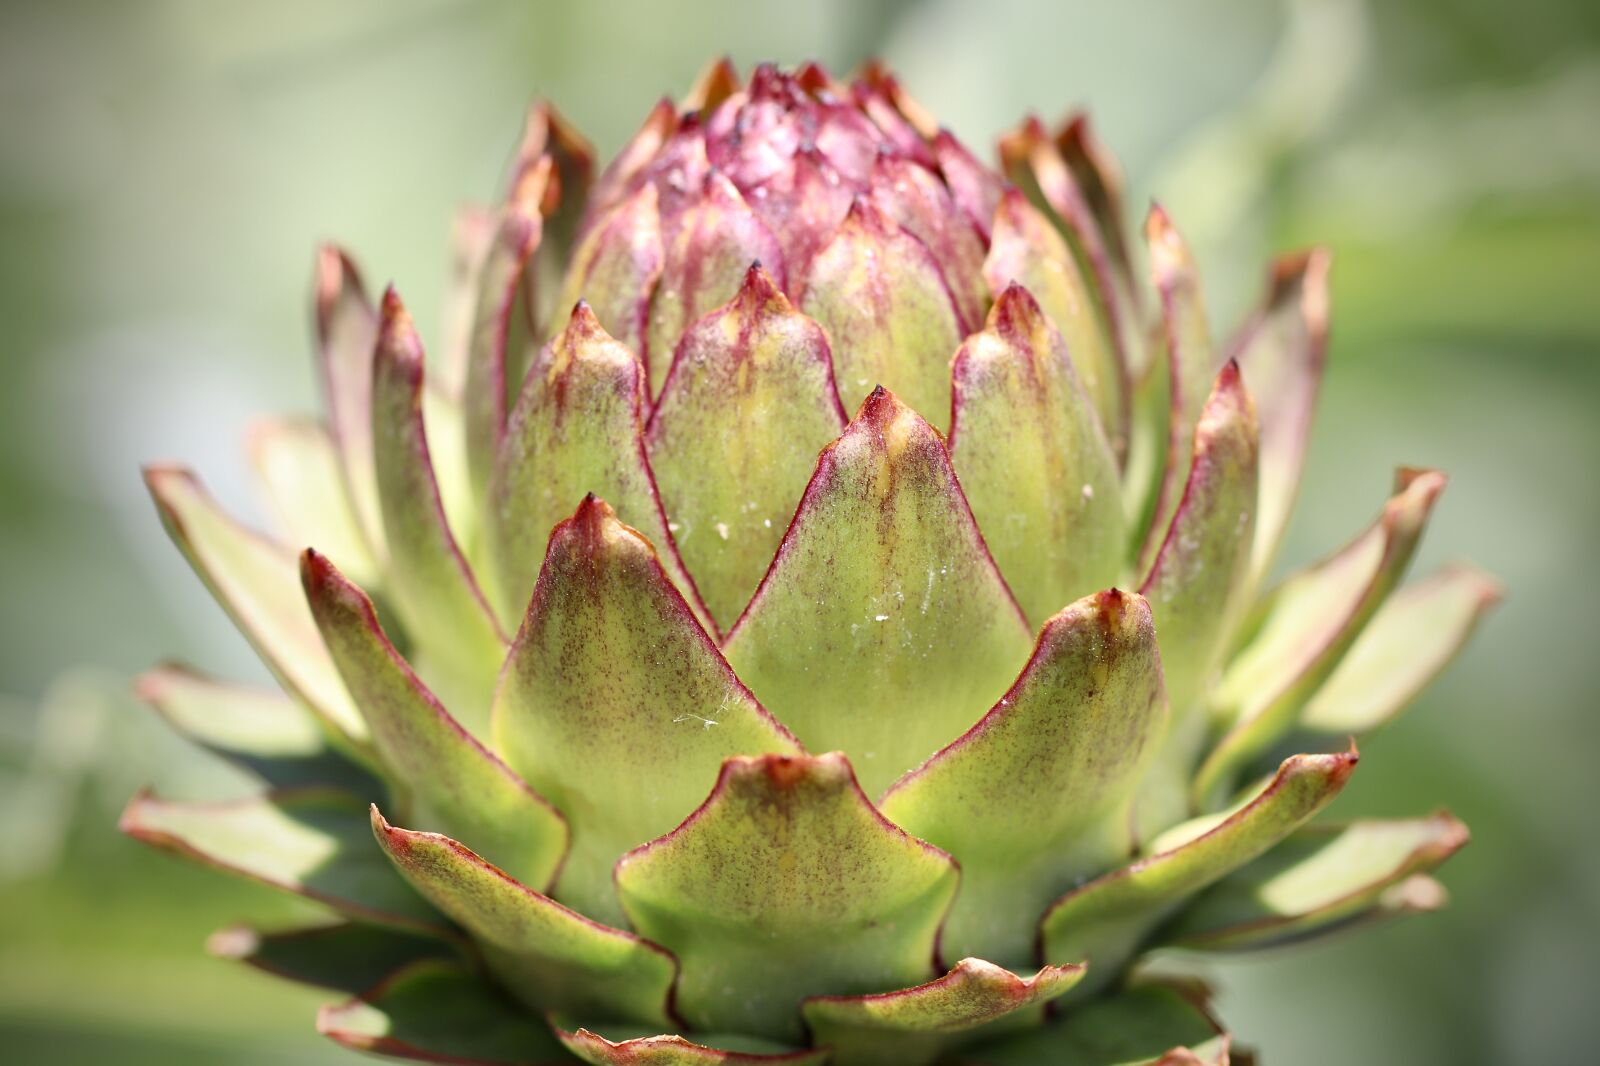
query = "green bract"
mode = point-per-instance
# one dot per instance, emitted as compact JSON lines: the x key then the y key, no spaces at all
{"x":813,"y":612}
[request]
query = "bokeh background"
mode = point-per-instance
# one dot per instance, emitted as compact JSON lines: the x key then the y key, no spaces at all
{"x":166,"y":166}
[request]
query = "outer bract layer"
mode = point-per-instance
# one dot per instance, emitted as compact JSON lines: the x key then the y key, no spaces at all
{"x":812,"y":609}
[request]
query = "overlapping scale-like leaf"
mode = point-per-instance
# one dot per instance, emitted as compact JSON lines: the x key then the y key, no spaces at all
{"x":255,"y":582}
{"x":619,"y":178}
{"x":1034,"y":161}
{"x":578,"y":428}
{"x":1413,"y":636}
{"x":548,"y":133}
{"x":709,"y":249}
{"x":299,"y":465}
{"x":918,"y":201}
{"x":1320,"y":879}
{"x":441,"y":1012}
{"x":432,"y":587}
{"x":1304,"y":628}
{"x":264,"y":732}
{"x":1025,"y":249}
{"x":442,"y":775}
{"x":734,"y":435}
{"x":1105,"y":921}
{"x":786,"y":883}
{"x":915,"y":1026}
{"x":502,"y":321}
{"x":1191,"y":363}
{"x":1280,"y":351}
{"x":616,"y":268}
{"x":974,"y":188}
{"x":882,"y":627}
{"x":1033,"y":460}
{"x":1036,"y":796}
{"x":1099,"y":176}
{"x":615,"y":704}
{"x":1149,"y":1025}
{"x":346,"y":327}
{"x":547,"y":956}
{"x":1195,"y":584}
{"x":346,"y":956}
{"x":890,"y":317}
{"x":311,"y":843}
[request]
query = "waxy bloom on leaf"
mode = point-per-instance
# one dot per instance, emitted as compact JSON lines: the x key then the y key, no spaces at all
{"x":812,"y":607}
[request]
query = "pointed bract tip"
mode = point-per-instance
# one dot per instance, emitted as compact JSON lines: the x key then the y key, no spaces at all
{"x":315,"y":570}
{"x":779,"y":772}
{"x":335,"y":272}
{"x":128,"y":823}
{"x":880,"y":406}
{"x":398,"y":340}
{"x":1424,"y":480}
{"x":1169,"y":253}
{"x":582,"y":325}
{"x":1015,"y":310}
{"x":758,"y":289}
{"x":233,"y":942}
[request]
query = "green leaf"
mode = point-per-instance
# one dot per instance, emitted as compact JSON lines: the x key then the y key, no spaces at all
{"x":1411,"y":639}
{"x":615,"y":704}
{"x":746,"y":407}
{"x":547,"y":132}
{"x":916,"y":1026}
{"x":710,"y":245}
{"x":578,"y":429}
{"x":1322,"y":878}
{"x":890,"y":317}
{"x":616,"y":269}
{"x":298,"y":464}
{"x":266,"y":733}
{"x":1033,"y":460}
{"x":1191,"y":363}
{"x":344,"y":956}
{"x":1303,"y":629}
{"x":1281,"y":350}
{"x":1099,"y":177}
{"x":256,"y":583}
{"x":1105,"y":921}
{"x":446,"y":778}
{"x":502,"y":323}
{"x":1036,"y":796}
{"x":1146,"y":1026}
{"x":431,"y":583}
{"x":624,"y":1048}
{"x":910,"y":194}
{"x":882,"y":627}
{"x":1196,"y":584}
{"x":620,"y":177}
{"x":311,"y":843}
{"x":441,"y":1012}
{"x":1034,"y":161}
{"x":786,"y":883}
{"x":1026,"y":250}
{"x":347,"y":327}
{"x":472,"y":230}
{"x":546,"y":955}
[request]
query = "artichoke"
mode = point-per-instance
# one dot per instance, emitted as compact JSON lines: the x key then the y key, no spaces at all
{"x":643,"y":704}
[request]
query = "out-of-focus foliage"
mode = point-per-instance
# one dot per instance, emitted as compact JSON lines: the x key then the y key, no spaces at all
{"x":165,"y":168}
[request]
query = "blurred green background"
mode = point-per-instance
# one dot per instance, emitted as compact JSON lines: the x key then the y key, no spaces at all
{"x":165,"y":168}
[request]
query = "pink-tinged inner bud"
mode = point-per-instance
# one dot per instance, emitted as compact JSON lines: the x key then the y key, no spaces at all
{"x":798,"y":149}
